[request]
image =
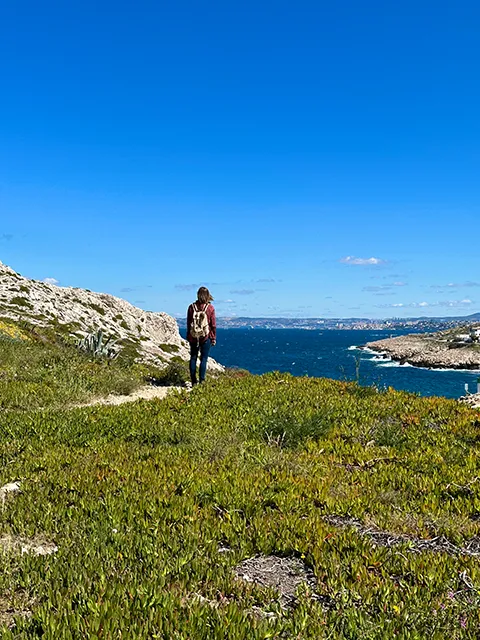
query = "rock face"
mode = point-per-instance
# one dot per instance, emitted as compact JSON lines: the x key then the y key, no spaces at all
{"x":434,"y":351}
{"x":154,"y":336}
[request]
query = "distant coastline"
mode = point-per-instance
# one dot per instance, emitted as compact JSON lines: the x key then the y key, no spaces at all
{"x":427,"y":351}
{"x":322,"y":324}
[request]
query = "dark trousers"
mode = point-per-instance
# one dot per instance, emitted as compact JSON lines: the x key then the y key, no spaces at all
{"x":204,"y":349}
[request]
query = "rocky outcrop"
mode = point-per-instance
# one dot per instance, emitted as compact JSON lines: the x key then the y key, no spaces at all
{"x":473,"y":400}
{"x":153,"y":336}
{"x":433,"y":351}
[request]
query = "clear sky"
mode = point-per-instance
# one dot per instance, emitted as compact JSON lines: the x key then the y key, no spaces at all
{"x":303,"y":158}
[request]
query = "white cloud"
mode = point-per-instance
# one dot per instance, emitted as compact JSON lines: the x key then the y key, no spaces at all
{"x":50,"y":281}
{"x":384,"y":287}
{"x":455,"y":285}
{"x":440,"y":303}
{"x":377,"y":288}
{"x":455,"y":303}
{"x":186,"y":287}
{"x":362,"y":262}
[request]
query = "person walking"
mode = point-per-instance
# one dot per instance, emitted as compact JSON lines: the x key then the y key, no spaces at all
{"x":201,"y":332}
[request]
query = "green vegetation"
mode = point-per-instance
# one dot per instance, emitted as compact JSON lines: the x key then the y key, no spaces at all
{"x":176,"y":373}
{"x":152,"y":505}
{"x":130,"y":350}
{"x":96,"y":347}
{"x":62,"y":330}
{"x":169,"y":348}
{"x":40,"y":368}
{"x":98,"y":308}
{"x":20,"y":302}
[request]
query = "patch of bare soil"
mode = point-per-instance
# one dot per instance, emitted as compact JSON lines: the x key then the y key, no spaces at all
{"x":284,"y":575}
{"x":12,"y":607}
{"x":380,"y":538}
{"x":36,"y":546}
{"x":147,"y":392}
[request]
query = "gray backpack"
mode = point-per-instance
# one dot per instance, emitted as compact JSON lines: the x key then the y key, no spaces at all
{"x":200,"y":327}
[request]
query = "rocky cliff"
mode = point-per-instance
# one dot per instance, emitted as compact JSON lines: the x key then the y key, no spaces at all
{"x":151,"y":336}
{"x":442,"y":350}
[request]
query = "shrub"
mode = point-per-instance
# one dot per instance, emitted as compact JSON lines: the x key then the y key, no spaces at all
{"x":289,"y":430}
{"x":175,"y":373}
{"x":129,"y":352}
{"x":99,"y":309}
{"x":235,"y":373}
{"x":21,"y":302}
{"x":9,"y":329}
{"x":169,"y":348}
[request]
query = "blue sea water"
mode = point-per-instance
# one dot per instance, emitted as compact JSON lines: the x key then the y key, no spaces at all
{"x":332,"y":354}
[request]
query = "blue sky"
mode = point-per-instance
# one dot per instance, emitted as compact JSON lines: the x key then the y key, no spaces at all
{"x":300,"y":158}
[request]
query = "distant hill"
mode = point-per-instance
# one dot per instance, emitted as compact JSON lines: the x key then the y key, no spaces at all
{"x":77,"y":312}
{"x":424,"y":323}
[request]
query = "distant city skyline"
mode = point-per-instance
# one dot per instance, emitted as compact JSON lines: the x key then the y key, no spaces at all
{"x":300,"y":160}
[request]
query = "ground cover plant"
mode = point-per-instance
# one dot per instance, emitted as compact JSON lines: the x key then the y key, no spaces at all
{"x":39,"y":368}
{"x":157,"y":508}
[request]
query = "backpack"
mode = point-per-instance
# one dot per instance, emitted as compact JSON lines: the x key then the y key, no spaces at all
{"x":200,"y":327}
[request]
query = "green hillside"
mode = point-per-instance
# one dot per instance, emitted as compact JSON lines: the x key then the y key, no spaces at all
{"x":153,"y":507}
{"x":42,"y":368}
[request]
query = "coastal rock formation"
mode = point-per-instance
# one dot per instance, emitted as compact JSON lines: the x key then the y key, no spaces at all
{"x":473,"y":400}
{"x":153,"y":336}
{"x":434,"y":351}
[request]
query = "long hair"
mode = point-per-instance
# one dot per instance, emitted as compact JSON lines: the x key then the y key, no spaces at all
{"x":204,"y":295}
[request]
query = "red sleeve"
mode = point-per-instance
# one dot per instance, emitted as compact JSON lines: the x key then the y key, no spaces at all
{"x":213,"y":324}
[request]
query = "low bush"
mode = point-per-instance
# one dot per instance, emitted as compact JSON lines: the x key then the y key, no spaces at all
{"x":288,"y":429}
{"x":21,"y":302}
{"x":175,"y":373}
{"x":169,"y":348}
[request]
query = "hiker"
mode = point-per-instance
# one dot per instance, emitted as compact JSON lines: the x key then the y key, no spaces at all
{"x":201,"y":332}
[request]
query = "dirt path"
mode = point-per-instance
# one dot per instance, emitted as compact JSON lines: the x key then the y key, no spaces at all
{"x":147,"y":392}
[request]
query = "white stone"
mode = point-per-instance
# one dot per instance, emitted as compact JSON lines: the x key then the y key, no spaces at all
{"x":11,"y":487}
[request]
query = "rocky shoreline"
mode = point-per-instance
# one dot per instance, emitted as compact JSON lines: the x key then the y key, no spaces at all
{"x":473,"y":400}
{"x":427,"y":351}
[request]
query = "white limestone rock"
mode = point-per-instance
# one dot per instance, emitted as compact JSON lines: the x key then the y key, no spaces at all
{"x":84,"y":312}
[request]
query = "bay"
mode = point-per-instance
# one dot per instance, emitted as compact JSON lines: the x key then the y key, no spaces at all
{"x":332,"y":354}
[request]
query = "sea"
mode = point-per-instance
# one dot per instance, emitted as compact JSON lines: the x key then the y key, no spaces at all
{"x":334,"y":354}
